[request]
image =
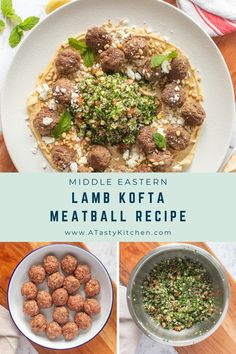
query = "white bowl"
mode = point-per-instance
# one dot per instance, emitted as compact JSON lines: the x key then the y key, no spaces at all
{"x":15,"y":300}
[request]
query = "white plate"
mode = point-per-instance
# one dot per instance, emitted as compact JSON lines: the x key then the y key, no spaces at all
{"x":39,"y":47}
{"x":15,"y":300}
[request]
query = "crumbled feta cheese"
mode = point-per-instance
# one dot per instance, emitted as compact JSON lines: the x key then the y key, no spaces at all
{"x":165,"y":67}
{"x":47,"y":121}
{"x":43,"y":91}
{"x":73,"y":167}
{"x":175,"y":98}
{"x":52,"y":104}
{"x":154,"y":125}
{"x":137,"y":76}
{"x":177,"y":88}
{"x":161,"y":131}
{"x":126,"y":155}
{"x":48,"y":140}
{"x":130,"y":73}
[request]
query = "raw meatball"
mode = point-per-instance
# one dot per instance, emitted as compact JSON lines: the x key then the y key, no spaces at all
{"x":55,"y":280}
{"x":160,"y":160}
{"x":44,"y":299}
{"x":83,"y":320}
{"x":92,"y":288}
{"x":60,"y":297}
{"x":70,"y":330}
{"x":143,"y":167}
{"x":83,"y":273}
{"x":67,"y":61}
{"x":112,"y":60}
{"x":60,"y":315}
{"x":193,"y":113}
{"x":51,"y":264}
{"x":31,"y":308}
{"x":92,"y":307}
{"x":76,"y":303}
{"x":38,"y":323}
{"x":173,"y":95}
{"x":37,"y":274}
{"x":153,"y":75}
{"x":179,"y":68}
{"x":99,"y":158}
{"x":62,"y":91}
{"x":177,"y":138}
{"x":69,"y":264}
{"x":53,"y":330}
{"x":45,"y":121}
{"x":145,"y":139}
{"x":71,"y":284}
{"x":29,"y":290}
{"x":97,"y":38}
{"x":62,"y":156}
{"x":135,"y":48}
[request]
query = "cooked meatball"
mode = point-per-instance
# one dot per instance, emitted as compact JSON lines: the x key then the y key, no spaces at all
{"x":29,"y":290}
{"x":53,"y":330}
{"x":45,"y":121}
{"x":145,"y":139}
{"x":153,"y":75}
{"x":62,"y":91}
{"x":193,"y":113}
{"x":92,"y":307}
{"x":62,"y":156}
{"x":179,"y":68}
{"x":160,"y":160}
{"x":31,"y":308}
{"x":44,"y":299}
{"x":50,"y":264}
{"x":99,"y":158}
{"x":71,"y":284}
{"x":76,"y":303}
{"x":67,"y":61}
{"x":92,"y":288}
{"x":60,"y":315}
{"x":83,"y":320}
{"x":143,"y":167}
{"x":173,"y":95}
{"x":97,"y":38}
{"x":37,"y":274}
{"x":60,"y":297}
{"x":70,"y":330}
{"x":38,"y":323}
{"x":55,"y":280}
{"x":177,"y":138}
{"x":135,"y":48}
{"x":83,"y":273}
{"x":69,"y":264}
{"x":112,"y":60}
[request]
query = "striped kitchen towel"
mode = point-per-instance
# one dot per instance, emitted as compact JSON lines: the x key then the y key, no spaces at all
{"x":216,"y":17}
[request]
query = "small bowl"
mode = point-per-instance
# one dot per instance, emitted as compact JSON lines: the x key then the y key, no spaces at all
{"x":198,"y":331}
{"x":15,"y":300}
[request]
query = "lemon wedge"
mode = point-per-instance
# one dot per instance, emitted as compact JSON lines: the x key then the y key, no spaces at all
{"x":54,"y":4}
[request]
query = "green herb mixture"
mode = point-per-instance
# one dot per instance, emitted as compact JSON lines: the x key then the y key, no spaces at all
{"x":178,"y":293}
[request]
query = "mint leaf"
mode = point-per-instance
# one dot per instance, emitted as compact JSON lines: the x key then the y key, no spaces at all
{"x":7,"y":8}
{"x":29,"y":23}
{"x":15,"y":19}
{"x":15,"y":36}
{"x":63,"y":125}
{"x":160,"y":140}
{"x":2,"y":25}
{"x":88,"y":57}
{"x":78,"y":45}
{"x":157,"y":60}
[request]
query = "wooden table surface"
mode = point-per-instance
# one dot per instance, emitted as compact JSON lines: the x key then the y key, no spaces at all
{"x":10,"y":255}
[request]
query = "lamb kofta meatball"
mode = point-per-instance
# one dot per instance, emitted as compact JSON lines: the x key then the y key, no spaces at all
{"x":62,"y":156}
{"x":83,"y":273}
{"x":193,"y":113}
{"x":177,"y":138}
{"x":173,"y":95}
{"x":62,"y":91}
{"x":83,"y":320}
{"x":69,"y":264}
{"x":99,"y":158}
{"x":97,"y":38}
{"x":160,"y":160}
{"x":76,"y":303}
{"x":60,"y":297}
{"x":67,"y":61}
{"x":92,"y":307}
{"x":45,"y":121}
{"x":37,"y":274}
{"x":153,"y":74}
{"x":70,"y":330}
{"x":29,"y":290}
{"x":60,"y":315}
{"x":38,"y":323}
{"x":135,"y":47}
{"x":55,"y":281}
{"x":92,"y":288}
{"x":71,"y":284}
{"x":112,"y":60}
{"x":179,"y":68}
{"x":145,"y":139}
{"x":31,"y":308}
{"x":143,"y":167}
{"x":50,"y":264}
{"x":44,"y":299}
{"x":53,"y":330}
